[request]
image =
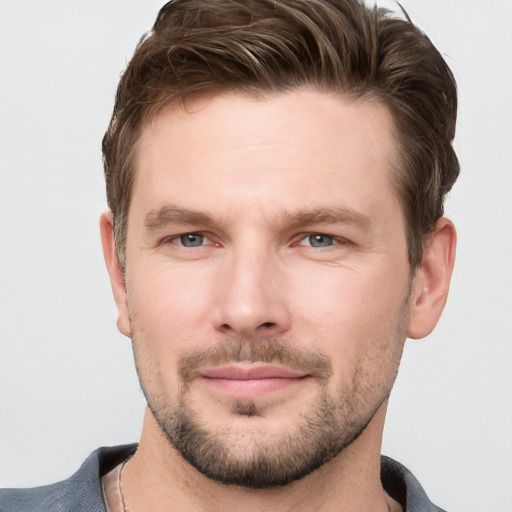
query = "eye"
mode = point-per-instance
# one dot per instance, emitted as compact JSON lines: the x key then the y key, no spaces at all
{"x":318,"y":240}
{"x":191,"y":240}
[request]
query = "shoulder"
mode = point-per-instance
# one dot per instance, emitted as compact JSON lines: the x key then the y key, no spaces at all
{"x":403,"y":486}
{"x":80,"y":492}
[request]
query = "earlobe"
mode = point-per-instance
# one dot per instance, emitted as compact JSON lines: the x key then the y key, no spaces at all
{"x":432,"y":280}
{"x":117,"y":278}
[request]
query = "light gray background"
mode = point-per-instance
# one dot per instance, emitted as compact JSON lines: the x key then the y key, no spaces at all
{"x":67,"y":383}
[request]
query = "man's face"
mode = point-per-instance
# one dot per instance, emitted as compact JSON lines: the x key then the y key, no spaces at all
{"x":267,"y":279}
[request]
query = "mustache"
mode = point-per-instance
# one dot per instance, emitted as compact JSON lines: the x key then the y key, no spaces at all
{"x":262,"y":350}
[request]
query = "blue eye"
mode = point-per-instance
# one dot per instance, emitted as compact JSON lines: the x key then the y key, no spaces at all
{"x":318,"y":240}
{"x":192,"y":240}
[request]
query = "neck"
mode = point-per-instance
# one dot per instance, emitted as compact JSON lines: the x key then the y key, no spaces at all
{"x":158,"y":479}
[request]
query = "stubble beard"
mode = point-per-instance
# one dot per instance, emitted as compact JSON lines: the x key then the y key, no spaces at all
{"x":256,"y":460}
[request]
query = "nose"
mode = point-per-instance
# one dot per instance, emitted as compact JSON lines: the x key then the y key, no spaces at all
{"x":251,"y":296}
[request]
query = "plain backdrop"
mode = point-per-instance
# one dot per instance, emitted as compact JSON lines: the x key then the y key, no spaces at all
{"x":67,"y":381}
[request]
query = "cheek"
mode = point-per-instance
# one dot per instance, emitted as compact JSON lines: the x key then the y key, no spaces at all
{"x":349,"y":314}
{"x":167,"y":319}
{"x":168,"y":307}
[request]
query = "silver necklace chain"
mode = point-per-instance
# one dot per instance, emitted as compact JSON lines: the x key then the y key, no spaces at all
{"x":122,"y":496}
{"x":119,"y":484}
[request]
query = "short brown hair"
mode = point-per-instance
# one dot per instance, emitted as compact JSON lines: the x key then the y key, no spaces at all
{"x":258,"y":46}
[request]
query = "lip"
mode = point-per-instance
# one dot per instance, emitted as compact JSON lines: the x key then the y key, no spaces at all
{"x":250,"y":382}
{"x":236,"y":372}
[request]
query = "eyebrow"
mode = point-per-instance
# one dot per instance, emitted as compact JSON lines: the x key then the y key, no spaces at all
{"x":173,"y":214}
{"x":337,"y":215}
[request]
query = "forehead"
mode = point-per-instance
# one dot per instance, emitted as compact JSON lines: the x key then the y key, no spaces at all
{"x":302,"y":146}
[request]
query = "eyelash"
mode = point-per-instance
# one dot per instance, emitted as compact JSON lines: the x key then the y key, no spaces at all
{"x":180,"y":237}
{"x":334,"y":240}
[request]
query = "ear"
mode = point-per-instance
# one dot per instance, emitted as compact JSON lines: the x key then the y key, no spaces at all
{"x":115,"y":272}
{"x":432,"y":280}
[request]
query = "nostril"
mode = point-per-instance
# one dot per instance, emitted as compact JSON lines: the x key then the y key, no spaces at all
{"x":267,"y":324}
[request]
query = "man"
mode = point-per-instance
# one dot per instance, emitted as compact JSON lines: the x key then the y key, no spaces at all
{"x":275,"y":175}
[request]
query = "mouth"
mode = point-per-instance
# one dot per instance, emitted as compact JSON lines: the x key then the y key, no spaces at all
{"x":254,"y":382}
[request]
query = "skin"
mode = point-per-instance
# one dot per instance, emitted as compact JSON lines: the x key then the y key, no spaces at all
{"x":264,"y":172}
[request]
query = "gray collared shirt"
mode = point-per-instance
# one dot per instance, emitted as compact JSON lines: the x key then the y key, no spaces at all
{"x":83,"y":491}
